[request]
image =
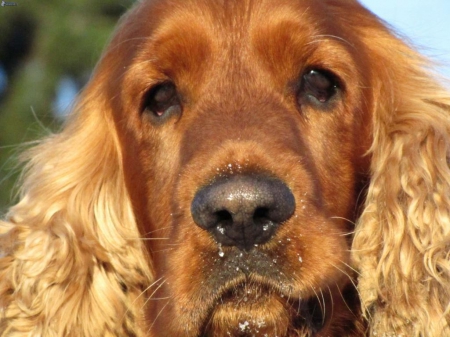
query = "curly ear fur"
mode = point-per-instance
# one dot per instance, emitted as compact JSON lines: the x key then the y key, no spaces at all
{"x":401,"y":246}
{"x":73,"y":240}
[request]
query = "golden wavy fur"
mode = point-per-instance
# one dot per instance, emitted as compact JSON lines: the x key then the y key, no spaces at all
{"x":239,"y":168}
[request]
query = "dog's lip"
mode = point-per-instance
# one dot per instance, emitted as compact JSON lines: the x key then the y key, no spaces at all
{"x":229,"y":272}
{"x":252,"y":286}
{"x":228,"y":264}
{"x":259,"y":266}
{"x":252,"y":290}
{"x":240,"y":277}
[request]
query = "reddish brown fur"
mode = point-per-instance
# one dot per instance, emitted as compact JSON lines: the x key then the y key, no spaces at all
{"x":237,"y":65}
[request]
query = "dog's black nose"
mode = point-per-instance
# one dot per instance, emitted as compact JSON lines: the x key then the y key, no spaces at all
{"x":243,"y":210}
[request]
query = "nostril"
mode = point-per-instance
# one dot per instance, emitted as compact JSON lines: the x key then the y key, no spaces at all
{"x":261,"y":215}
{"x":224,"y":218}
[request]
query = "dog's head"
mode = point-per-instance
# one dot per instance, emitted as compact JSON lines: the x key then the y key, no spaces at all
{"x":284,"y":161}
{"x":243,"y":127}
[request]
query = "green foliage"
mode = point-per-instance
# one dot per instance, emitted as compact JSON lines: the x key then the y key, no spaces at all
{"x":40,"y":42}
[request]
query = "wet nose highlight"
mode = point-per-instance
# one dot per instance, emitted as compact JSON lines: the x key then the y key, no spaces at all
{"x":243,"y":210}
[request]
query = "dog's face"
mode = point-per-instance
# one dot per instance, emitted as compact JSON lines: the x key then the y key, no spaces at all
{"x":239,"y":168}
{"x":243,"y":127}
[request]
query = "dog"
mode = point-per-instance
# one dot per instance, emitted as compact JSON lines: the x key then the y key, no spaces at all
{"x":239,"y":168}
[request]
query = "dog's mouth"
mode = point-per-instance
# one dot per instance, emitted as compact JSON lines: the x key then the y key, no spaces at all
{"x":254,"y":293}
{"x":250,"y":308}
{"x":254,"y":296}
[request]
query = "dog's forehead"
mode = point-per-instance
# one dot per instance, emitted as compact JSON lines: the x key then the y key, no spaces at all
{"x":189,"y":37}
{"x":227,"y":20}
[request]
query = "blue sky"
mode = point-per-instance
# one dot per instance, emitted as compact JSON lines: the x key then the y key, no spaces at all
{"x":425,"y":22}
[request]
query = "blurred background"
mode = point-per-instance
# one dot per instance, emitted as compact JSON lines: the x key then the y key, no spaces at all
{"x":48,"y":49}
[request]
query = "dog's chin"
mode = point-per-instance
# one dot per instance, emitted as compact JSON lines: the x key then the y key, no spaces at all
{"x":254,"y":310}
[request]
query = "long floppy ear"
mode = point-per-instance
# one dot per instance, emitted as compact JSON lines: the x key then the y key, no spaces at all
{"x":71,"y":261}
{"x":402,"y":242}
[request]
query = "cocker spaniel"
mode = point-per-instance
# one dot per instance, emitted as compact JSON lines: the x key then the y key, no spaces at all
{"x":239,"y":168}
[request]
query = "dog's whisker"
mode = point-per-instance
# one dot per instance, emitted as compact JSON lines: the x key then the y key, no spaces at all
{"x":319,"y":301}
{"x":146,"y":239}
{"x":157,"y":316}
{"x":342,"y":218}
{"x":316,"y":40}
{"x":156,"y":230}
{"x":349,"y":267}
{"x":154,"y":292}
{"x":324,"y":312}
{"x":352,"y":281}
{"x":164,"y":250}
{"x":158,"y":298}
{"x":343,"y":271}
{"x":153,"y":284}
{"x":349,"y":308}
{"x":141,"y":294}
{"x":362,"y":250}
{"x":289,"y":296}
{"x":173,"y":244}
{"x":331,"y":305}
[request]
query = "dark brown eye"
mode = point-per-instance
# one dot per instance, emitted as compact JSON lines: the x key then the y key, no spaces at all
{"x":162,"y":101}
{"x":317,"y":87}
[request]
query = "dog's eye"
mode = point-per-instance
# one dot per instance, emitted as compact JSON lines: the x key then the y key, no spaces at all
{"x":162,"y":101}
{"x":317,"y":86}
